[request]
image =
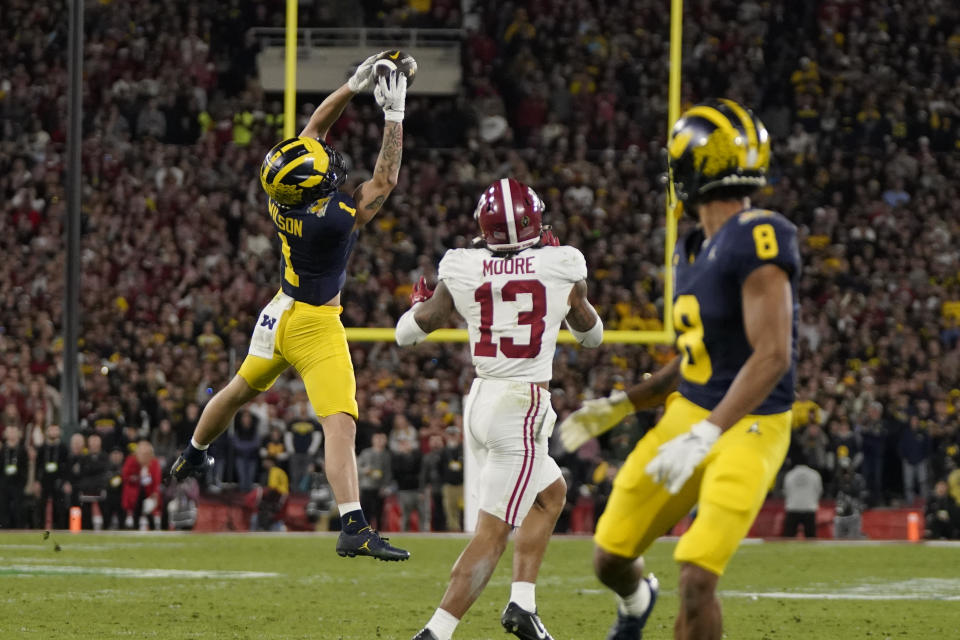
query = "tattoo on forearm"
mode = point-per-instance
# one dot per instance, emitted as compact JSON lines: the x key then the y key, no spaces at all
{"x":373,"y":206}
{"x":388,"y":162}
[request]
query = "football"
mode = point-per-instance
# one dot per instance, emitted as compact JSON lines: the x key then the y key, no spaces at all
{"x":396,"y":59}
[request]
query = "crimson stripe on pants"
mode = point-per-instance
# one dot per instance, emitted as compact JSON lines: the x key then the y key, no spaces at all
{"x":533,"y":450}
{"x":523,"y":467}
{"x":527,"y":433}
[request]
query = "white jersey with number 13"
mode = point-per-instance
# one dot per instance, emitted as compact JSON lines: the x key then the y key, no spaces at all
{"x":514,"y":305}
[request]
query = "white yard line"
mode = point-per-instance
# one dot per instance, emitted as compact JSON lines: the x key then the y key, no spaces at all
{"x":121,"y":572}
{"x":104,"y":546}
{"x":793,"y":595}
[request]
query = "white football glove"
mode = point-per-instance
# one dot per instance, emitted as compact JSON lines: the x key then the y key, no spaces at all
{"x":593,"y":418}
{"x":677,"y":458}
{"x":360,"y":79}
{"x":391,"y":95}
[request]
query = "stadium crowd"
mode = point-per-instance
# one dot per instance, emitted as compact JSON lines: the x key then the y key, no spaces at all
{"x":862,"y":100}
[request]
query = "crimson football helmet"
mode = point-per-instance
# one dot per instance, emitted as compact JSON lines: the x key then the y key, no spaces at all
{"x":510,"y":215}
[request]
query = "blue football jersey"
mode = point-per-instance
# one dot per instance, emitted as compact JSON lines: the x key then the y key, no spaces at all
{"x":315,"y":243}
{"x":708,"y":311}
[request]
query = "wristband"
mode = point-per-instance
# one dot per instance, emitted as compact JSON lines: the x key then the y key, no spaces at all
{"x":590,"y":338}
{"x":408,"y":331}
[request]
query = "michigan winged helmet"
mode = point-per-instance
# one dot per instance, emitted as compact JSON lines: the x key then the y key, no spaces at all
{"x":718,"y":149}
{"x":299,"y":171}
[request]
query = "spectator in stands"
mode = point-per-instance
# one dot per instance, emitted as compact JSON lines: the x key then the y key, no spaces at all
{"x":302,"y":439}
{"x":274,"y":446}
{"x":35,"y":430}
{"x":112,"y":506}
{"x":401,"y":433}
{"x":185,"y":426}
{"x":850,"y":491}
{"x":942,"y":518}
{"x":271,"y":498}
{"x":13,"y":478}
{"x":874,"y":434}
{"x":802,"y":488}
{"x":140,"y":499}
{"x":813,"y":443}
{"x":130,"y":437}
{"x":375,"y":472}
{"x":453,"y":478}
{"x":53,"y":475}
{"x":432,"y":471}
{"x":91,"y":480}
{"x":164,"y":442}
{"x":915,"y":451}
{"x":107,"y":423}
{"x":246,"y":446}
{"x":405,"y":463}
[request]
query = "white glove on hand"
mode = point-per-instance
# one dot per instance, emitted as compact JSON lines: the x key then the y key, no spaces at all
{"x":593,"y":418}
{"x":676,"y":459}
{"x":391,"y":94}
{"x":360,"y":79}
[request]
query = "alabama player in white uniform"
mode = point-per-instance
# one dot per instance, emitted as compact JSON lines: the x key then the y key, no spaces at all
{"x":514,"y":291}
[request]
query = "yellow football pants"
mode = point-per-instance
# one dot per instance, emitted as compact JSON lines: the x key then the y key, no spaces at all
{"x":310,"y":338}
{"x":730,"y":486}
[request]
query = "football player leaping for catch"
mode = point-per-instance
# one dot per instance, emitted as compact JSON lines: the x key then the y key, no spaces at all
{"x":723,"y":437}
{"x":514,"y":293}
{"x":317,"y":226}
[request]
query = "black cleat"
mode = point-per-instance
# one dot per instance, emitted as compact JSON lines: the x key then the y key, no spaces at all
{"x":368,"y":542}
{"x":181,"y":469}
{"x":523,"y":624}
{"x":631,"y":627}
{"x":425,"y":634}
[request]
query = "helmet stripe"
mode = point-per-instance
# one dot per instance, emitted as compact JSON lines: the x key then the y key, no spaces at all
{"x":293,"y":143}
{"x":313,"y":146}
{"x":290,"y":166}
{"x":751,"y":130}
{"x":508,"y":210}
{"x":320,"y":163}
{"x":722,"y":122}
{"x":277,"y":158}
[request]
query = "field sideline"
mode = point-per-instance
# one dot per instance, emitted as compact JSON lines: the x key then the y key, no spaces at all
{"x":283,"y":586}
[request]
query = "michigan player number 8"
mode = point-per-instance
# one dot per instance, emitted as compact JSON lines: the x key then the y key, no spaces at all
{"x":533,"y":318}
{"x":696,"y":366}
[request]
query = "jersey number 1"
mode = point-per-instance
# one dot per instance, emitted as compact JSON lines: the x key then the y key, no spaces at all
{"x":289,"y":274}
{"x":533,"y":318}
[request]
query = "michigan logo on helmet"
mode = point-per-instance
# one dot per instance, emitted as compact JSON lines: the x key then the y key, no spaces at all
{"x":299,"y":171}
{"x":717,"y":150}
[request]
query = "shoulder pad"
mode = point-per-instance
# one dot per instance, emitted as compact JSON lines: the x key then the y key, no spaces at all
{"x":339,"y":204}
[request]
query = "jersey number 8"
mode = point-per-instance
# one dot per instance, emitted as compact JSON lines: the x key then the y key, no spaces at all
{"x":766,"y":240}
{"x":696,"y":366}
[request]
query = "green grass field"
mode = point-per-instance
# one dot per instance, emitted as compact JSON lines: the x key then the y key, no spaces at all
{"x":295,"y":586}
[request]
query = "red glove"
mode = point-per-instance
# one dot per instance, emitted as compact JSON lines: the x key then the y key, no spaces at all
{"x":549,"y":239}
{"x":421,"y":292}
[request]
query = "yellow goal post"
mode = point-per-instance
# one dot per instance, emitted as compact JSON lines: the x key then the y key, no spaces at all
{"x":665,"y":335}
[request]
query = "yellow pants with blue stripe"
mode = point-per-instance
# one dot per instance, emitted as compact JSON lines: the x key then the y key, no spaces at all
{"x":729,"y":487}
{"x":310,"y":338}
